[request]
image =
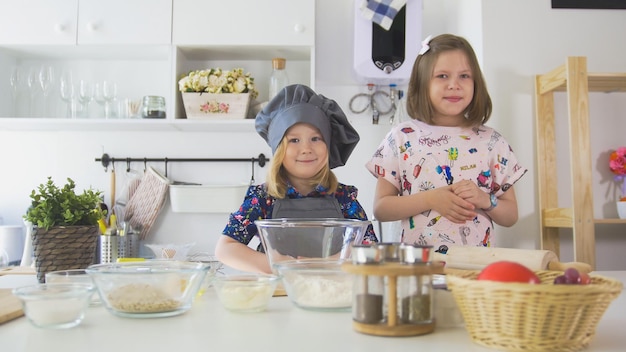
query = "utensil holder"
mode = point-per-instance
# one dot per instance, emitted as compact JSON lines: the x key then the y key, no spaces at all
{"x":114,"y":247}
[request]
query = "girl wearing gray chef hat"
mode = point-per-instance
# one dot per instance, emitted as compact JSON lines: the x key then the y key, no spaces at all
{"x":309,"y":135}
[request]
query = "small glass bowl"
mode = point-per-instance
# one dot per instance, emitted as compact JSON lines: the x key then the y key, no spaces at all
{"x":74,"y":276}
{"x":55,"y":305}
{"x":246,"y":293}
{"x":215,"y":267}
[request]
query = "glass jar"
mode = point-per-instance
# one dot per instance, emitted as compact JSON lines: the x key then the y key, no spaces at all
{"x":415,"y":292}
{"x":367,"y":305}
{"x":153,"y":107}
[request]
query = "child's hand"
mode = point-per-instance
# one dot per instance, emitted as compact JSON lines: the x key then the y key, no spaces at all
{"x":469,"y":191}
{"x":452,"y":206}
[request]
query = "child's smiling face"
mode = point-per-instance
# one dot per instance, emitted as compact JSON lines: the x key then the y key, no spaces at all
{"x":306,"y":154}
{"x":451,"y":88}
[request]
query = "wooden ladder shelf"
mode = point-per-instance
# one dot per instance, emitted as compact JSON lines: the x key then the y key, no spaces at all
{"x":572,"y":78}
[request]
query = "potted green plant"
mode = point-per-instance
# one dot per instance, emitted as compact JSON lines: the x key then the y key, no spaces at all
{"x":65,"y":226}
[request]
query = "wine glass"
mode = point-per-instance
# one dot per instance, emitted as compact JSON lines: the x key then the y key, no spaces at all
{"x":68,"y":92}
{"x":109,"y":92}
{"x":85,"y":96}
{"x":15,"y":84}
{"x":46,"y":76}
{"x":98,"y":96}
{"x":31,"y":80}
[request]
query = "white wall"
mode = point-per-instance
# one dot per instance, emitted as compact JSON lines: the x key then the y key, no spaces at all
{"x":514,"y":40}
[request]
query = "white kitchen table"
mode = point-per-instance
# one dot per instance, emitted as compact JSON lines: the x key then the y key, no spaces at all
{"x":283,"y":327}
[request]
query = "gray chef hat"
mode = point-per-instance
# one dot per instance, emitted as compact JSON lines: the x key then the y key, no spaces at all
{"x":299,"y":103}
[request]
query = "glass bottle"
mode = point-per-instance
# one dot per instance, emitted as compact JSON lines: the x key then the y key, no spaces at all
{"x":278,"y":79}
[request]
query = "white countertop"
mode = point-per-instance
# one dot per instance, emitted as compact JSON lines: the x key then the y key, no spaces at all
{"x":283,"y":327}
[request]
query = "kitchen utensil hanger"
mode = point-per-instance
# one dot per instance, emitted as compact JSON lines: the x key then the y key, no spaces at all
{"x":105,"y":159}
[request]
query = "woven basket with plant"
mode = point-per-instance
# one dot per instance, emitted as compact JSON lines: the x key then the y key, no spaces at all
{"x":532,"y":317}
{"x":65,"y":232}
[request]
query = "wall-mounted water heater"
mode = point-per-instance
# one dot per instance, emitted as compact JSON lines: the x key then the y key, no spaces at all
{"x":386,"y":56}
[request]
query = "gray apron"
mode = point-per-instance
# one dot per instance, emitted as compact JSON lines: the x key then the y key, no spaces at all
{"x":309,"y":243}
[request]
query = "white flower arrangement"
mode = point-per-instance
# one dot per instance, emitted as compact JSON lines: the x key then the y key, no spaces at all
{"x":216,"y":80}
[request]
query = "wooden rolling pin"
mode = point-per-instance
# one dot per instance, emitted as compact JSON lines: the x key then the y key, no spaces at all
{"x":476,"y":258}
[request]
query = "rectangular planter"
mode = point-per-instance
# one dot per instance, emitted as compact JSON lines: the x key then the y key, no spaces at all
{"x":216,"y":106}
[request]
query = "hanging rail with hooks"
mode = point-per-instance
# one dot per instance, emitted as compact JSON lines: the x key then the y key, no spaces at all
{"x":107,"y":160}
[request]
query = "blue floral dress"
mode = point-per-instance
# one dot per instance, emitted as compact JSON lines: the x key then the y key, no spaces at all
{"x":258,"y":205}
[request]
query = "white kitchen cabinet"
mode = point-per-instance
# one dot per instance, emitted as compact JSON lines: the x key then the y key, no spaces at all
{"x":145,"y":22}
{"x":146,"y":46}
{"x":244,"y":22}
{"x":70,"y":22}
{"x":38,"y":22}
{"x":246,"y":34}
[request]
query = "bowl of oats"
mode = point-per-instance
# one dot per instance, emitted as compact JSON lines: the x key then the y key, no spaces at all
{"x":148,"y":289}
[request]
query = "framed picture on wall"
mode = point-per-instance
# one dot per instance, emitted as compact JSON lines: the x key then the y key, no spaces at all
{"x":588,"y":4}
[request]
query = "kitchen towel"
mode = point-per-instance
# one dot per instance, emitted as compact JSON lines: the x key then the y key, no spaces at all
{"x":382,"y":11}
{"x":146,"y":203}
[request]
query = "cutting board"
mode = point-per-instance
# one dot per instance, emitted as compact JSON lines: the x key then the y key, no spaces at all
{"x":476,"y":258}
{"x":10,"y":306}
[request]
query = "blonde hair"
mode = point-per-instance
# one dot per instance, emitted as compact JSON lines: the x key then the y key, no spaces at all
{"x":276,"y":180}
{"x":418,"y":103}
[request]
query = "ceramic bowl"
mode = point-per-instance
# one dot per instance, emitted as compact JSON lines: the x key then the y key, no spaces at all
{"x":317,"y":284}
{"x":289,"y":239}
{"x":56,"y":305}
{"x":245,"y":293}
{"x":153,"y":288}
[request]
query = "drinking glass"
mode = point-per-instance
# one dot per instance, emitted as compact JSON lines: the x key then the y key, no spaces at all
{"x":85,"y":96}
{"x":98,"y":96}
{"x":105,"y":93}
{"x":109,"y":92}
{"x":68,"y":93}
{"x":46,"y":76}
{"x":31,"y":80}
{"x":15,"y":84}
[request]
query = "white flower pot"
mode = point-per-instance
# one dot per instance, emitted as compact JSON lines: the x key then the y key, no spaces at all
{"x":216,"y":106}
{"x":621,"y":210}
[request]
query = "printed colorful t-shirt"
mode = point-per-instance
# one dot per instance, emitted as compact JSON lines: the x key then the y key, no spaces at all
{"x":417,"y":157}
{"x":258,"y":205}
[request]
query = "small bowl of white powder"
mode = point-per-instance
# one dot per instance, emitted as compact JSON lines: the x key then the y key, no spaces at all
{"x":245,"y":293}
{"x":317,"y":284}
{"x":55,"y":305}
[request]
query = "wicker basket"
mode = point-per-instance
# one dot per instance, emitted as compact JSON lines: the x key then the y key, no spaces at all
{"x":64,"y":248}
{"x":526,"y":317}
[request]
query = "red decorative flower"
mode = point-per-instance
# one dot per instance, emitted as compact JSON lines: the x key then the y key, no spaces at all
{"x":617,"y":164}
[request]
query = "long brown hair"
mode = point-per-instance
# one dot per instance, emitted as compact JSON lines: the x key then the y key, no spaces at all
{"x":276,"y":179}
{"x":418,"y":103}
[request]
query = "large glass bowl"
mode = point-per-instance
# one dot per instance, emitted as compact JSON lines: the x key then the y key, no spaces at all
{"x":289,"y":239}
{"x":148,"y":289}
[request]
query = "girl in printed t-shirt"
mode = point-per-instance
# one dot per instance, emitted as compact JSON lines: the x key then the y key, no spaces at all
{"x":309,"y":135}
{"x":454,"y":175}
